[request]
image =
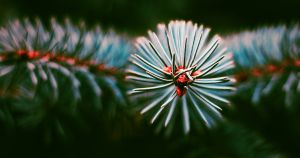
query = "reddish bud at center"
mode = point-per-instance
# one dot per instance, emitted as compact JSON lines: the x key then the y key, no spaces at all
{"x":182,"y":79}
{"x":180,"y":91}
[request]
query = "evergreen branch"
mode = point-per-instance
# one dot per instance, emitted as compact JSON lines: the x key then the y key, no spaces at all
{"x":267,"y":58}
{"x":188,"y":61}
{"x":61,"y":66}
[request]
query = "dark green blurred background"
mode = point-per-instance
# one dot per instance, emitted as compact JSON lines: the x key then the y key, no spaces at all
{"x":136,"y":16}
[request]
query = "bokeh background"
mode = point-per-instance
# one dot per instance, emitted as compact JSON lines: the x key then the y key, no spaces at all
{"x":136,"y":16}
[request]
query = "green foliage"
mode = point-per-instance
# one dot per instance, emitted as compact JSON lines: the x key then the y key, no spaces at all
{"x":49,"y":74}
{"x":62,"y":94}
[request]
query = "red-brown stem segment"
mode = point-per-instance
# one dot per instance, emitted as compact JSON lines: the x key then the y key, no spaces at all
{"x":25,"y":55}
